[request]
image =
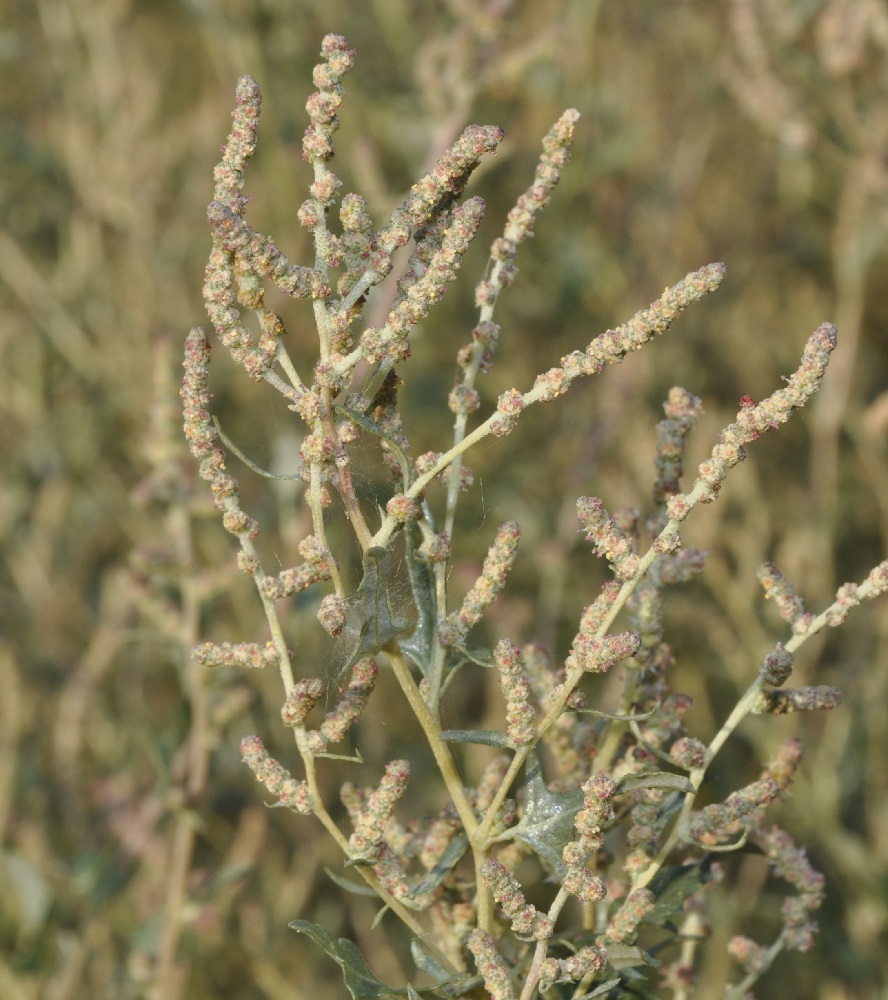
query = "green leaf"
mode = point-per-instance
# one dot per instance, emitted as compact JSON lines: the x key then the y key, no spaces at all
{"x":356,"y":974}
{"x":233,"y":448}
{"x":486,"y":737}
{"x":426,"y":963}
{"x":654,"y":779}
{"x":601,"y":990}
{"x":480,"y":655}
{"x":421,"y":643}
{"x":450,"y":857}
{"x":346,"y":884}
{"x":672,"y":886}
{"x":382,"y":612}
{"x":617,"y":716}
{"x":623,"y":957}
{"x":548,"y":820}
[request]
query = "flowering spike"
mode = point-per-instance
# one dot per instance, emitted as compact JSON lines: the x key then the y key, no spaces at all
{"x":496,"y":568}
{"x":490,"y":965}
{"x":527,"y":921}
{"x":249,"y":655}
{"x":277,"y":779}
{"x":370,"y":825}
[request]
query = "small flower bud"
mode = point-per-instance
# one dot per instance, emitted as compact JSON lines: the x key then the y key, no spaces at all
{"x":776,"y":666}
{"x":332,"y":614}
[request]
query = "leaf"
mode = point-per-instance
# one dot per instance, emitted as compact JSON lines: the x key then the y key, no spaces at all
{"x":632,"y":963}
{"x":479,"y":655}
{"x":233,"y":448}
{"x":382,"y":612}
{"x":349,"y":886}
{"x":457,"y":656}
{"x":548,"y":820}
{"x":623,"y":957}
{"x":672,"y":886}
{"x":617,"y":717}
{"x":363,"y":984}
{"x":654,"y":779}
{"x":425,"y":962}
{"x":420,"y":644}
{"x":356,"y":974}
{"x":450,"y":857}
{"x":486,"y":737}
{"x":601,"y":990}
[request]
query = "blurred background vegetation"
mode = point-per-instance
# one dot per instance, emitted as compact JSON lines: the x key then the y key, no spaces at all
{"x":138,"y":859}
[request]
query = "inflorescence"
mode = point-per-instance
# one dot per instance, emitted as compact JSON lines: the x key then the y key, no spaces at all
{"x":621,"y":803}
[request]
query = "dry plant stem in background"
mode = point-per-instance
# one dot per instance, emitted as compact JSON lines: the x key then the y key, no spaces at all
{"x":562,"y":778}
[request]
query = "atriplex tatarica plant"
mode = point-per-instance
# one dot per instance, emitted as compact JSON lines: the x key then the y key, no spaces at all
{"x":601,"y":803}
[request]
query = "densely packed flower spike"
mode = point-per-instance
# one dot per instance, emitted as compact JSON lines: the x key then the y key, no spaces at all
{"x":250,"y":655}
{"x":485,"y":589}
{"x":527,"y":921}
{"x":592,"y":782}
{"x":370,"y":824}
{"x":277,"y":779}
{"x":490,"y":965}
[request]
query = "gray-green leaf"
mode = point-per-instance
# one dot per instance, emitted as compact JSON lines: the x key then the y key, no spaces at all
{"x":548,"y":820}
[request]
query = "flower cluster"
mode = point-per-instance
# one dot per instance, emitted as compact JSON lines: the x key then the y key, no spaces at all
{"x":448,"y":877}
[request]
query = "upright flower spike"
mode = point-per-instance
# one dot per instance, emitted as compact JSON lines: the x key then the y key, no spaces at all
{"x":370,"y":826}
{"x":589,"y":823}
{"x":443,"y":185}
{"x":624,"y":924}
{"x":323,"y":105}
{"x":494,"y":572}
{"x":240,"y":145}
{"x":607,"y":537}
{"x":490,"y":781}
{"x":521,"y":219}
{"x":594,"y":654}
{"x":597,"y":810}
{"x":490,"y":965}
{"x":222,"y":270}
{"x":387,"y":868}
{"x":779,"y":590}
{"x":717,"y":824}
{"x":357,"y":241}
{"x":753,"y":421}
{"x":390,"y":343}
{"x":516,"y":689}
{"x":612,"y":346}
{"x":682,"y":410}
{"x":220,"y":298}
{"x":303,"y":697}
{"x":261,"y":256}
{"x":202,"y":436}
